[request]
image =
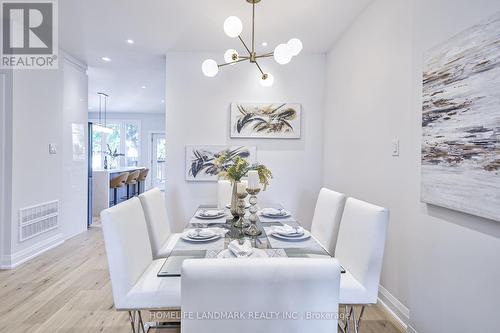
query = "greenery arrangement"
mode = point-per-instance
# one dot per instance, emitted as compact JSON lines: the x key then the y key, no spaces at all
{"x":113,"y":154}
{"x":236,"y":168}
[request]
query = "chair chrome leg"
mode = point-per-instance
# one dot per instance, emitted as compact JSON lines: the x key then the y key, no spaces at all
{"x":349,"y":311}
{"x":131,"y":317}
{"x":357,"y":321}
{"x":141,"y":323}
{"x":342,"y":322}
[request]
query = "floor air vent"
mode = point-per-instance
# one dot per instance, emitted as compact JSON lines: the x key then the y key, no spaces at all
{"x":36,"y":220}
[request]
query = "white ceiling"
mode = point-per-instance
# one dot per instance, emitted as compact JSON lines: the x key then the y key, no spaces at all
{"x":91,"y":29}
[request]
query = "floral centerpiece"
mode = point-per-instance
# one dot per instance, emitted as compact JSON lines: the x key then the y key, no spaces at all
{"x":238,"y":168}
{"x":234,"y":168}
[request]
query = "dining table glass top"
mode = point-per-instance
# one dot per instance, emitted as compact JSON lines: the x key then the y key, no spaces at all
{"x":273,"y":246}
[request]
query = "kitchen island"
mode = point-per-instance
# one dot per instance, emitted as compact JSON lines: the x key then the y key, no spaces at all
{"x":101,"y":193}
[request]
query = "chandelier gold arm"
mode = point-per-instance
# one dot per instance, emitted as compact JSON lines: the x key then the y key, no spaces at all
{"x":234,"y":62}
{"x":260,"y":69}
{"x":267,"y":55}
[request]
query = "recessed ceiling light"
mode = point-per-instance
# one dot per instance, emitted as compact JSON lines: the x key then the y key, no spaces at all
{"x":143,"y":87}
{"x":162,"y":101}
{"x":130,"y":41}
{"x":106,"y":59}
{"x":264,"y":44}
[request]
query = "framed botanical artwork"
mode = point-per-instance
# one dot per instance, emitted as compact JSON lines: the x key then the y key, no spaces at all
{"x":461,"y":122}
{"x":200,"y":160}
{"x":265,"y":120}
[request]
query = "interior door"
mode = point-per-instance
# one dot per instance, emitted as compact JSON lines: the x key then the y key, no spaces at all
{"x":158,"y":156}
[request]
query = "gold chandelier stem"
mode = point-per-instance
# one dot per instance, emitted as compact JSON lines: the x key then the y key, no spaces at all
{"x":253,"y":27}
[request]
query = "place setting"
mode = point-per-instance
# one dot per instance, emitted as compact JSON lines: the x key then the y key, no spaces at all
{"x":272,"y":215}
{"x":210,"y":216}
{"x":242,"y":248}
{"x":288,"y":233}
{"x":201,"y":235}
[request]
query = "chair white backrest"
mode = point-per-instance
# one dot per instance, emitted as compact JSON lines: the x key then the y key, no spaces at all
{"x":224,"y":193}
{"x":127,"y":247}
{"x":153,"y":204}
{"x":293,"y":286}
{"x":326,"y":219}
{"x":361,"y":242}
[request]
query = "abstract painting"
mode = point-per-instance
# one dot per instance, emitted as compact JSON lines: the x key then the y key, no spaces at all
{"x":265,"y":120}
{"x":200,"y":160}
{"x":461,"y":122}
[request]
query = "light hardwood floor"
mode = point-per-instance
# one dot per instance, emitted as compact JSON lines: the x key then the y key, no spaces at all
{"x":67,"y":289}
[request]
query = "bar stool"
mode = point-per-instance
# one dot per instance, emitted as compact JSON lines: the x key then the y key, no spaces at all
{"x":132,"y":180}
{"x":142,"y":179}
{"x":117,"y":182}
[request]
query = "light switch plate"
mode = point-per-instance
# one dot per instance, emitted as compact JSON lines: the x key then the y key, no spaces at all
{"x":52,"y":149}
{"x":395,"y":147}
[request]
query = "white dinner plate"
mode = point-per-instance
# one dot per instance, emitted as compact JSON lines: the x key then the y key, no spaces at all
{"x":257,"y":253}
{"x":210,"y":217}
{"x":305,"y":236}
{"x":273,"y":216}
{"x":200,"y":240}
{"x":199,"y":235}
{"x":295,"y":235}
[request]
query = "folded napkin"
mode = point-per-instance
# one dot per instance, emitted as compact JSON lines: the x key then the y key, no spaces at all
{"x":274,"y":211}
{"x":207,"y":232}
{"x":210,"y":212}
{"x":241,"y":250}
{"x":288,"y":230}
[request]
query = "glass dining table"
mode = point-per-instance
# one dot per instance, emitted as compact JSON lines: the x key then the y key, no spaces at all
{"x":273,"y":246}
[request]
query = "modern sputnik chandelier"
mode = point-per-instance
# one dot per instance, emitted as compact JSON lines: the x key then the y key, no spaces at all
{"x":283,"y":53}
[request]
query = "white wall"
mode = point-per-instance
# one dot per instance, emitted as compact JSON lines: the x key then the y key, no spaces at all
{"x":198,"y":113}
{"x":74,"y":180}
{"x":3,"y":96}
{"x":44,"y":105}
{"x":150,"y":123}
{"x":36,"y":175}
{"x":5,"y":164}
{"x":440,"y":264}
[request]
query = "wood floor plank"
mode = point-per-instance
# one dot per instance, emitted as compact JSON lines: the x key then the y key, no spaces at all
{"x":67,"y":289}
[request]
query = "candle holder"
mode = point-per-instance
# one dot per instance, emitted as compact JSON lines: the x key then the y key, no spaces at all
{"x":241,"y":223}
{"x":253,"y":230}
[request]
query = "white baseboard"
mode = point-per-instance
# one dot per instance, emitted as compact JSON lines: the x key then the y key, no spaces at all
{"x":18,"y":258}
{"x":394,"y":307}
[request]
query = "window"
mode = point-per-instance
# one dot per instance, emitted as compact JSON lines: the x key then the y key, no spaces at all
{"x":121,"y":148}
{"x":96,"y":150}
{"x":131,"y":145}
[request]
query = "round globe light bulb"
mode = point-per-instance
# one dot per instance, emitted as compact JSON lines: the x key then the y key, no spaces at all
{"x":295,"y":46}
{"x":267,"y":80}
{"x":231,"y":55}
{"x":233,"y":26}
{"x":210,"y":68}
{"x":282,"y":54}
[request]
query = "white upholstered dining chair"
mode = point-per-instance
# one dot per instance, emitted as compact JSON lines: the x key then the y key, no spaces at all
{"x":161,"y":238}
{"x":326,"y":219}
{"x":360,"y":250}
{"x":132,"y":270}
{"x":251,"y":288}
